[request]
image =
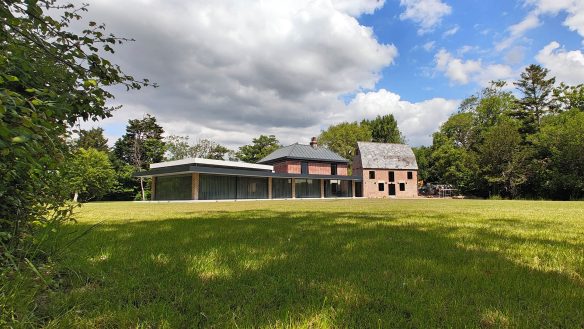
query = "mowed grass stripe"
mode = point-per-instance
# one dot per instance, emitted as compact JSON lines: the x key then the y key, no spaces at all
{"x":331,"y":263}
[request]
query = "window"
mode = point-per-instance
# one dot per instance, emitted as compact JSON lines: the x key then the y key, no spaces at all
{"x":304,"y":168}
{"x":402,"y":186}
{"x":371,"y":174}
{"x":410,"y":175}
{"x":381,"y":187}
{"x":391,"y":176}
{"x":333,"y":168}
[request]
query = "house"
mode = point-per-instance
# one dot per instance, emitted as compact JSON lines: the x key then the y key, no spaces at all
{"x":294,"y":171}
{"x":387,"y":170}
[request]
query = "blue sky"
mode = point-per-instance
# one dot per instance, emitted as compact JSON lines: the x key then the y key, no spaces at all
{"x":231,"y":70}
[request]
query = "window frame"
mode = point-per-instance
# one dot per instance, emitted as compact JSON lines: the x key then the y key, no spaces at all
{"x":410,"y":175}
{"x":402,"y":187}
{"x":381,"y":187}
{"x":304,"y":168}
{"x":371,"y":174}
{"x":391,"y":176}
{"x":334,"y":169}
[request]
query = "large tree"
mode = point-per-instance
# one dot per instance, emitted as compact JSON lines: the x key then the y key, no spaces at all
{"x":89,"y":174}
{"x":92,"y":138}
{"x":384,"y":129}
{"x":141,"y":145}
{"x":260,"y":148}
{"x":536,"y":101}
{"x":50,"y":77}
{"x":343,"y":137}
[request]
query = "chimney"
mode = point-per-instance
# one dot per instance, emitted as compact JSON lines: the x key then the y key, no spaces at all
{"x":313,"y":142}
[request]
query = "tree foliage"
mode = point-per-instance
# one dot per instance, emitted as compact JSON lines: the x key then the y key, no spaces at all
{"x":384,"y":129}
{"x":343,"y":137}
{"x":260,"y":148}
{"x":50,"y":78}
{"x":536,"y":89}
{"x":89,"y":174}
{"x":92,"y":138}
{"x":179,"y":147}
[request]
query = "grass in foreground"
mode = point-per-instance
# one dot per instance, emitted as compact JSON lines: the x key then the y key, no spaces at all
{"x":341,"y":263}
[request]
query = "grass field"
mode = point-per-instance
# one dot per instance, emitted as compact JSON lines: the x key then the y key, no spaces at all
{"x":334,"y":263}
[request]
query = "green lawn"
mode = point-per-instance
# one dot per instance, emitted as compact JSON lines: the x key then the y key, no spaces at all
{"x":334,"y":263}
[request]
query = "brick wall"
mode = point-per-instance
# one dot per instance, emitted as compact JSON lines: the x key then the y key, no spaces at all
{"x":371,"y":186}
{"x":314,"y":168}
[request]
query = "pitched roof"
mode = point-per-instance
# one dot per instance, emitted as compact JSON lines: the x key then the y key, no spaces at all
{"x":303,"y":152}
{"x":383,"y":155}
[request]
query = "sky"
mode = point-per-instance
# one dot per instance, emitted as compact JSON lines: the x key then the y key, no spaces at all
{"x":232,"y":70}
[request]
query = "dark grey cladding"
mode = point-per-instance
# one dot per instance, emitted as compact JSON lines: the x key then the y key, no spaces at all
{"x":303,"y":152}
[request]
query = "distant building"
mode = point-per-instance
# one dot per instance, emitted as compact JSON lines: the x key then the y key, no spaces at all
{"x":387,"y":170}
{"x":294,"y":171}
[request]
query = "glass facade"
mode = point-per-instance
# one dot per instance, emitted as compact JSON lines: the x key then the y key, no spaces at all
{"x":336,"y":188}
{"x":221,"y":187}
{"x":307,"y":188}
{"x":281,"y":188}
{"x":177,"y":187}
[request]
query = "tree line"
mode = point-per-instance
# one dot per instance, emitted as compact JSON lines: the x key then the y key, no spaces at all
{"x":528,"y":144}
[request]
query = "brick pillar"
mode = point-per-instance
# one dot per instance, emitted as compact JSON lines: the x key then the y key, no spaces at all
{"x":322,"y":188}
{"x":293,"y":188}
{"x":353,"y":188}
{"x":153,"y":191}
{"x":195,"y":186}
{"x":269,"y":187}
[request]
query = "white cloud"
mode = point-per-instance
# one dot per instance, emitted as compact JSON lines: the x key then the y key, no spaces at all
{"x":566,"y":66}
{"x":428,"y":46}
{"x":516,"y":31}
{"x":416,"y":120}
{"x":232,"y":70}
{"x":356,"y":8}
{"x":451,"y":31}
{"x":426,"y":13}
{"x":574,"y":9}
{"x":462,"y":71}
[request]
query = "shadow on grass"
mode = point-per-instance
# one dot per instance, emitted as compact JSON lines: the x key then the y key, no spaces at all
{"x":323,"y":269}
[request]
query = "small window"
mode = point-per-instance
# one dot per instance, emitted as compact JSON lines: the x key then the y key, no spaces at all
{"x":392,"y":176}
{"x":304,"y":168}
{"x":333,"y":168}
{"x":371,"y":174}
{"x":381,"y":187}
{"x":402,"y":186}
{"x":410,"y":175}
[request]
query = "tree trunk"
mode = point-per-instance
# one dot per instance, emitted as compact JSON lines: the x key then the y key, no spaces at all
{"x":142,"y":187}
{"x":75,"y":196}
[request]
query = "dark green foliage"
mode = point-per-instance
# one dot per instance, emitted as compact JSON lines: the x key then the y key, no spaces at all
{"x":536,"y":89}
{"x":49,"y":79}
{"x":343,"y":137}
{"x":92,"y":138}
{"x":423,"y":158}
{"x":500,"y":145}
{"x":384,"y":129}
{"x":260,"y":148}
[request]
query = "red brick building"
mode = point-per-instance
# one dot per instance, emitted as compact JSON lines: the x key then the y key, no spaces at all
{"x":388,"y":170}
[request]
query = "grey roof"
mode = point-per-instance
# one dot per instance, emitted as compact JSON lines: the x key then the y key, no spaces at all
{"x":383,"y":155}
{"x":303,"y":152}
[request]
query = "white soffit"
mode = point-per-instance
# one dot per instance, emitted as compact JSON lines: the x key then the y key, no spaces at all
{"x":209,"y":162}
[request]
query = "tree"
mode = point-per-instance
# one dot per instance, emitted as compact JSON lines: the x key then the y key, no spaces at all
{"x":423,"y":158}
{"x":260,"y":148}
{"x":452,"y":164}
{"x":92,"y":138}
{"x":141,"y":145}
{"x":384,"y":129}
{"x":536,"y":102}
{"x":50,"y":78}
{"x":569,"y":97}
{"x":560,"y":143}
{"x":178,"y":147}
{"x":343,"y":137}
{"x":503,"y":158}
{"x":460,"y":128}
{"x":89,"y":174}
